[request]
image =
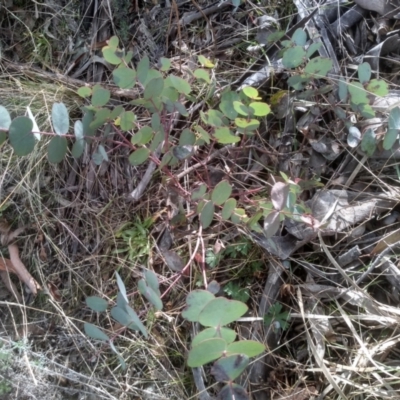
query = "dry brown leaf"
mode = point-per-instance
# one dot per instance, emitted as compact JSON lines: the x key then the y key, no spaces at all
{"x":388,"y":241}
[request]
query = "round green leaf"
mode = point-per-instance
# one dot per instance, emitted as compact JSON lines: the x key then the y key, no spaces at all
{"x":260,"y":109}
{"x":187,"y":137}
{"x":97,"y":303}
{"x":229,"y":335}
{"x":221,"y":311}
{"x":196,"y":300}
{"x":229,"y":368}
{"x":110,"y":56}
{"x":113,"y":42}
{"x":5,"y":119}
{"x":60,"y":118}
{"x":364,"y":73}
{"x":358,"y":93}
{"x":153,"y":88}
{"x":205,"y":352}
{"x":127,"y":118}
{"x":139,"y":156}
{"x":299,"y":37}
{"x":152,"y":281}
{"x":207,"y":214}
{"x":378,"y":87}
{"x":293,"y":57}
{"x":180,"y":84}
{"x":199,"y":192}
{"x":202,"y":74}
{"x":228,"y":208}
{"x":94,"y":332}
{"x":221,"y":193}
{"x":165,"y":64}
{"x":251,"y":92}
{"x":57,"y":149}
{"x":240,"y":108}
{"x":250,"y":348}
{"x":20,"y":135}
{"x":100,"y":96}
{"x":313,"y":48}
{"x":124,"y":78}
{"x":84,"y":91}
{"x":224,"y":136}
{"x":143,"y":135}
{"x":318,"y":66}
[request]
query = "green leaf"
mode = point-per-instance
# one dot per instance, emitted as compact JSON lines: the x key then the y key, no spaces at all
{"x":202,"y":74}
{"x":221,"y":311}
{"x":299,"y":37}
{"x":127,"y":317}
{"x":113,"y":42}
{"x":368,"y":143}
{"x":20,"y":135}
{"x":229,"y":335}
{"x":142,"y":136}
{"x":196,"y":300}
{"x":319,"y":67}
{"x":205,"y":62}
{"x":94,"y":332}
{"x":165,"y":64}
{"x":228,"y":208}
{"x":57,"y":149}
{"x":390,"y":138}
{"x":293,"y":57}
{"x":224,"y":136}
{"x":127,"y":119}
{"x":79,"y":145}
{"x":298,"y":82}
{"x":5,"y":119}
{"x":110,"y":56}
{"x":181,"y":109}
{"x":358,"y":93}
{"x":221,"y":192}
{"x":152,"y":281}
{"x":247,"y":125}
{"x":154,"y":88}
{"x":180,"y":84}
{"x":343,"y":90}
{"x":124,"y":78}
{"x":226,"y":105}
{"x":250,"y":348}
{"x":251,"y":92}
{"x":152,"y":74}
{"x":312,"y":49}
{"x":207,"y":214}
{"x":378,"y":87}
{"x":100,"y":96}
{"x":150,"y":294}
{"x":364,"y":73}
{"x":121,"y":287}
{"x":84,"y":91}
{"x":136,"y":321}
{"x":86,"y":121}
{"x":394,"y":118}
{"x":139,"y":156}
{"x":199,"y":192}
{"x":240,"y":108}
{"x":60,"y":118}
{"x":187,"y":137}
{"x":143,"y":69}
{"x":120,"y":359}
{"x":229,"y":368}
{"x":205,"y":352}
{"x":97,"y":303}
{"x":260,"y":109}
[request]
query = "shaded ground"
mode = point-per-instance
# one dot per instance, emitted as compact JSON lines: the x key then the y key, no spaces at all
{"x":82,"y":225}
